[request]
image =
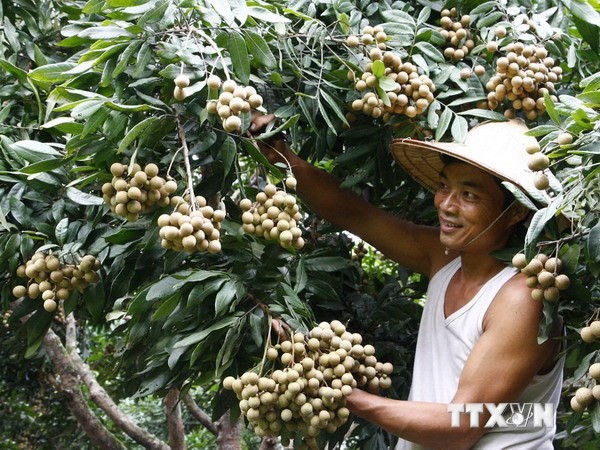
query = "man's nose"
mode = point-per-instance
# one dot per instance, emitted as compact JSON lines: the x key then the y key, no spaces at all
{"x":448,"y":202}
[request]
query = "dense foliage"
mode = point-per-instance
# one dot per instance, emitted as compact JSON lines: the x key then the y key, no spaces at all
{"x":88,"y":84}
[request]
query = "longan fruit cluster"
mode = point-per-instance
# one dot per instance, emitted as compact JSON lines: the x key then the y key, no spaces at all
{"x":53,"y":280}
{"x":538,"y":162}
{"x":191,"y":227}
{"x":181,"y":82}
{"x":591,"y":332}
{"x":232,"y":102}
{"x":371,"y":35}
{"x":522,"y":78}
{"x":411,"y":96}
{"x":584,"y":396}
{"x":6,"y":318}
{"x":359,"y":251}
{"x":131,"y":194}
{"x":457,"y":34}
{"x":274,"y":216}
{"x":311,"y":378}
{"x":543,"y":276}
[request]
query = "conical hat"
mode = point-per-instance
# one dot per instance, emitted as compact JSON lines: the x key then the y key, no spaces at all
{"x":496,"y":147}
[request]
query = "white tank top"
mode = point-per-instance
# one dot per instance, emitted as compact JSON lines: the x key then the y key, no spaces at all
{"x":445,"y":343}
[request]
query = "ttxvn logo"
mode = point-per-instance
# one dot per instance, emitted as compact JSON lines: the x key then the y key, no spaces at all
{"x":504,"y":415}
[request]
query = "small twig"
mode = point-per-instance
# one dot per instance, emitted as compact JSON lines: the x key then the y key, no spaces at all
{"x":564,"y":239}
{"x":215,"y":47}
{"x":186,"y":160}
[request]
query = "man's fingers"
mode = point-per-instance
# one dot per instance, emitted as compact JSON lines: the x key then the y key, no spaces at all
{"x":260,"y":121}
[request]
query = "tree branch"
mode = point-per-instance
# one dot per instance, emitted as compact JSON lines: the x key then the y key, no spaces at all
{"x":71,"y":334}
{"x":174,"y":420}
{"x":199,"y":415}
{"x":228,"y":435}
{"x":101,"y":398}
{"x":67,"y":383}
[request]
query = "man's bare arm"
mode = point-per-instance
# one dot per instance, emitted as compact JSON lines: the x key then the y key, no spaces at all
{"x":501,"y":365}
{"x":410,"y":245}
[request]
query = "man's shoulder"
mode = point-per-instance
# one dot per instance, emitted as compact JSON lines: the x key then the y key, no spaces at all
{"x":514,"y":300}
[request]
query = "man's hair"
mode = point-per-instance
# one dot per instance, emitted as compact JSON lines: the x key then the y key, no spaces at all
{"x":508,"y":197}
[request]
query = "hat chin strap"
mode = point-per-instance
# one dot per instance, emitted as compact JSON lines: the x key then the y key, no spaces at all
{"x":447,"y":250}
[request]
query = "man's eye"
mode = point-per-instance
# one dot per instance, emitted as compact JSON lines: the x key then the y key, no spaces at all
{"x":469,"y":195}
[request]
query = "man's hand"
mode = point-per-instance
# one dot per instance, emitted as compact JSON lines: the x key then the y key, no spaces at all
{"x":275,"y":148}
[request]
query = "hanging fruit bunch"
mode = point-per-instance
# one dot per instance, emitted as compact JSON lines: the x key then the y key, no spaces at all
{"x":193,"y":226}
{"x":233,"y":101}
{"x":52,"y":279}
{"x":306,"y":388}
{"x":585,"y":396}
{"x":523,"y":76}
{"x":274,"y":215}
{"x":456,"y":32}
{"x":388,"y":86}
{"x":543,"y":276}
{"x":133,"y":193}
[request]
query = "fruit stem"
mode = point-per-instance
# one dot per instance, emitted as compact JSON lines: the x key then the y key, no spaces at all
{"x":186,"y":160}
{"x":215,"y":47}
{"x":267,"y":343}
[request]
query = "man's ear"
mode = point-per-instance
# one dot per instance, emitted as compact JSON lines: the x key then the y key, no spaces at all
{"x":519,"y":213}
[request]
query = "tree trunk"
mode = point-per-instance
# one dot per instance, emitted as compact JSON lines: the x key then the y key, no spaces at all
{"x":199,"y":415}
{"x":228,"y":437}
{"x":67,"y":383}
{"x":174,"y":420}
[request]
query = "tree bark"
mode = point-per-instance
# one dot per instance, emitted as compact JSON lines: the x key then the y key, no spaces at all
{"x":67,"y":383}
{"x":199,"y":415}
{"x":101,"y":398}
{"x":228,"y":436}
{"x":174,"y":420}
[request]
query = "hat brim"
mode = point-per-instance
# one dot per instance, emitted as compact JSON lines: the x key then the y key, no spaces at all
{"x":422,"y":161}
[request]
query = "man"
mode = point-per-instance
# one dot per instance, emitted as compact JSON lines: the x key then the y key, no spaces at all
{"x":477,"y":340}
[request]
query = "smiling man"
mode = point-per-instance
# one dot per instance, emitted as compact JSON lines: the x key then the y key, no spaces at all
{"x":477,"y":340}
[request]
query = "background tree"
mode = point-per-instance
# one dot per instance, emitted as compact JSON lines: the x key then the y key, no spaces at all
{"x":90,"y":84}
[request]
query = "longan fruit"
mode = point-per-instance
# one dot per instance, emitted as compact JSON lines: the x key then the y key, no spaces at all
{"x":179,"y":94}
{"x":492,"y":46}
{"x":587,"y":335}
{"x":541,"y":181}
{"x":50,"y":305}
{"x":564,"y":138}
{"x":576,"y":406}
{"x":182,"y":81}
{"x":213,"y":82}
{"x":538,"y":161}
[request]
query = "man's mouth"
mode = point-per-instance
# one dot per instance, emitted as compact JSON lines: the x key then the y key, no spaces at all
{"x":446,"y":224}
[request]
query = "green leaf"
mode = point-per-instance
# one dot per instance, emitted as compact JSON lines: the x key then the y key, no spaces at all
{"x":125,"y":57}
{"x":106,"y":32}
{"x":167,"y":307}
{"x":378,"y":68}
{"x":15,"y":71}
{"x":490,"y":19}
{"x":143,"y":59}
{"x":519,"y":195}
{"x":430,"y":51}
{"x":443,"y":123}
{"x":595,"y":416}
{"x":259,"y":49}
{"x":266,"y":16}
{"x":228,"y":153}
{"x":64,"y":124}
{"x":550,"y":108}
{"x":538,"y":222}
{"x":327,"y":264}
{"x":155,"y":14}
{"x":52,"y":73}
{"x":95,"y":300}
{"x":129,"y":108}
{"x":260,"y":158}
{"x":239,"y":56}
{"x":225,"y":298}
{"x":593,"y":243}
{"x":83,"y":198}
{"x":37,"y":327}
{"x":201,"y":335}
{"x":137,"y":130}
{"x":583,"y":11}
{"x":459,"y":129}
{"x":592,"y":98}
{"x":569,"y":255}
{"x":62,"y":228}
{"x":34,"y":151}
{"x":93,"y":6}
{"x":162,"y":289}
{"x":203,"y":291}
{"x":484,"y":114}
{"x":386,"y":83}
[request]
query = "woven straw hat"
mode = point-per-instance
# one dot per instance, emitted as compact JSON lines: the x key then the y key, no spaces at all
{"x":496,"y":147}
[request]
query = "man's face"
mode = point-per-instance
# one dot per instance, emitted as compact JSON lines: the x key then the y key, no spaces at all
{"x":468,"y":201}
